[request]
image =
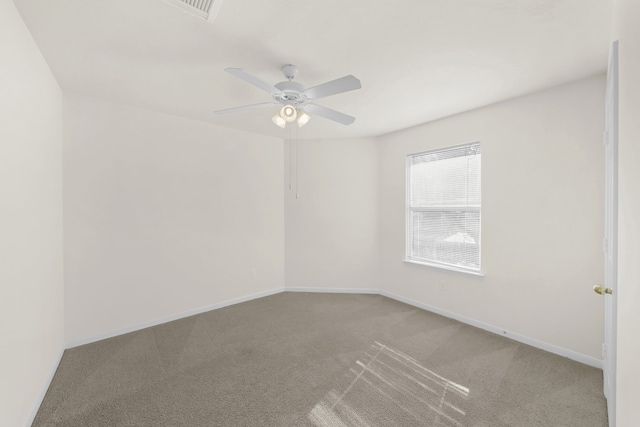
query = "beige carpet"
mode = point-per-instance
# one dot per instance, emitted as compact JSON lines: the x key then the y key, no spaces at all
{"x":297,"y":359}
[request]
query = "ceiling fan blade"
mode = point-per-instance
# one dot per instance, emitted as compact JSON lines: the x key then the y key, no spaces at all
{"x":246,"y":107}
{"x":334,"y":87}
{"x":328,"y":113}
{"x":251,"y":79}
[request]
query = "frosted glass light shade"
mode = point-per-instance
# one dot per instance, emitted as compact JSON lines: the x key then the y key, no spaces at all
{"x":303,"y":118}
{"x":279,"y":121}
{"x":288,"y":113}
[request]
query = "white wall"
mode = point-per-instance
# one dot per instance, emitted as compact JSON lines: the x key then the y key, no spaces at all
{"x":542,"y":216}
{"x":31,"y":288}
{"x":332,"y":225}
{"x":163,"y":216}
{"x":627,"y":32}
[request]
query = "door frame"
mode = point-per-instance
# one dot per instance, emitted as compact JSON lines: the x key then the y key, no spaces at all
{"x":610,"y":245}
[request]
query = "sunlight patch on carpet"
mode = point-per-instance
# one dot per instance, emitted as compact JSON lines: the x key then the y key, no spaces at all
{"x":390,"y":385}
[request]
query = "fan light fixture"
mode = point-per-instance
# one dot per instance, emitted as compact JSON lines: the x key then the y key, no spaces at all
{"x":288,"y":114}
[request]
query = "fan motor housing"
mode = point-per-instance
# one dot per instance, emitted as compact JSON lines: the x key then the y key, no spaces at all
{"x":291,"y":92}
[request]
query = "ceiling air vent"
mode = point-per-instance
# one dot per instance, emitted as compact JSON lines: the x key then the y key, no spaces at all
{"x":205,"y":9}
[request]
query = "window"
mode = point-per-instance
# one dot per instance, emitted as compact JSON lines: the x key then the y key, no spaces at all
{"x":443,"y":208}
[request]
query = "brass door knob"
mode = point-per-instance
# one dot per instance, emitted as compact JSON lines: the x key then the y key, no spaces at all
{"x":599,"y":289}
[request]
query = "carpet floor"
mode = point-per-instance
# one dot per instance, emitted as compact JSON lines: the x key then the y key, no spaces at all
{"x":303,"y":359}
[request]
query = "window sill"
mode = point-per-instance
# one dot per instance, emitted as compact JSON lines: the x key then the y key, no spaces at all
{"x":444,"y":267}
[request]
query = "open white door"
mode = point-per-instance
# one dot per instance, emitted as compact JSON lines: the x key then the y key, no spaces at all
{"x":610,"y":245}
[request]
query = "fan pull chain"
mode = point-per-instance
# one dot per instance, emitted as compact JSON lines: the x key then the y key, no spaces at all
{"x":290,"y":161}
{"x":297,"y":176}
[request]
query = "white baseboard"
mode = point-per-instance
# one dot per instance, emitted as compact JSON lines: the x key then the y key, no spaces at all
{"x":578,"y":357}
{"x":111,"y":334}
{"x":560,"y":351}
{"x":335,"y":290}
{"x":45,"y":387}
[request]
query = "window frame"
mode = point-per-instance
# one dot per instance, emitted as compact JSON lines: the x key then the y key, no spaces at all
{"x":409,"y":210}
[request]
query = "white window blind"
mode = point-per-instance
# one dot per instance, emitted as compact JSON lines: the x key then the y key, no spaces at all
{"x":443,"y":207}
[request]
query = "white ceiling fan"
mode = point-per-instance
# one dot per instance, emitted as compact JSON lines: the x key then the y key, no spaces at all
{"x":297,"y":102}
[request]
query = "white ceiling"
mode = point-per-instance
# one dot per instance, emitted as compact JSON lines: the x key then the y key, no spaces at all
{"x":418,"y":60}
